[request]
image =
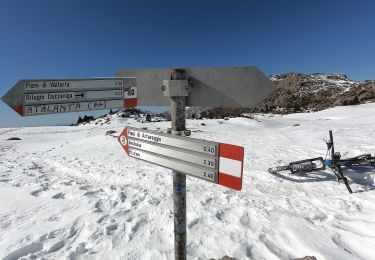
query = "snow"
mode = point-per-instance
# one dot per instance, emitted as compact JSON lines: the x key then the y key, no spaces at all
{"x":71,"y":192}
{"x":334,"y":81}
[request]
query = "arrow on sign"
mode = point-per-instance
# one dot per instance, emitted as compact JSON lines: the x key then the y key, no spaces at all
{"x":79,"y":95}
{"x":214,"y":162}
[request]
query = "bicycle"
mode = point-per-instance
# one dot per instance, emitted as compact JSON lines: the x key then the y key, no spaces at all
{"x":334,"y":163}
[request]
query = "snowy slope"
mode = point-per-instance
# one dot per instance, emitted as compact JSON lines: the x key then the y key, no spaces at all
{"x":71,"y":192}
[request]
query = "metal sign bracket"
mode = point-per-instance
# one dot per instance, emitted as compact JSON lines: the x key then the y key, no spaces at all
{"x":176,"y":88}
{"x":181,"y":133}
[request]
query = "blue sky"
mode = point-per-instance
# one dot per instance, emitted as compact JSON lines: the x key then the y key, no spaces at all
{"x":72,"y":39}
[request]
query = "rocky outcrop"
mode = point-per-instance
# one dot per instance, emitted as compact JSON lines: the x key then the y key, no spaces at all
{"x":358,"y":94}
{"x":314,"y":92}
{"x":298,"y":92}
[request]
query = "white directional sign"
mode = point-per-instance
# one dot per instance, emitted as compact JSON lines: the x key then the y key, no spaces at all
{"x":40,"y":97}
{"x":210,"y":87}
{"x":214,"y":162}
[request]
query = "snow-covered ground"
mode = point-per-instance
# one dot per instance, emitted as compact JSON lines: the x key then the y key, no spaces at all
{"x":71,"y":192}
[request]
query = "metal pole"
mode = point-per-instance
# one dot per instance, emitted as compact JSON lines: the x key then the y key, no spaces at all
{"x":179,"y":179}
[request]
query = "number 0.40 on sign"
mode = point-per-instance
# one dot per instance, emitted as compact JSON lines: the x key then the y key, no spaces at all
{"x":211,"y":161}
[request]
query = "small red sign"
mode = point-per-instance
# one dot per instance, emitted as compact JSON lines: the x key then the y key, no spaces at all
{"x":231,"y":166}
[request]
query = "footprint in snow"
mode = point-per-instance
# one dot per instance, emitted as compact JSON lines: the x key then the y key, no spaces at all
{"x":36,"y":193}
{"x":220,"y":215}
{"x":56,"y":247}
{"x":102,"y":219}
{"x":90,"y":193}
{"x":81,"y":248}
{"x":122,"y":196}
{"x":35,"y":248}
{"x":110,"y":229}
{"x":193,"y":223}
{"x":154,"y":201}
{"x":85,"y":187}
{"x":104,"y":205}
{"x":59,"y":195}
{"x":53,"y":218}
{"x":136,"y":228}
{"x":206,"y":202}
{"x":68,"y":183}
{"x":24,"y":251}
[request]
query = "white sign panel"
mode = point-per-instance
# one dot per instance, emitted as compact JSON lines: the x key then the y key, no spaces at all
{"x":178,"y":165}
{"x":190,"y":156}
{"x":211,"y":87}
{"x":37,"y":109}
{"x":39,"y":97}
{"x":214,"y":162}
{"x":190,"y":144}
{"x":66,"y":85}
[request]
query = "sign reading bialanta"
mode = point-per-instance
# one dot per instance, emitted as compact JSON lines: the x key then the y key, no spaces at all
{"x":53,"y":96}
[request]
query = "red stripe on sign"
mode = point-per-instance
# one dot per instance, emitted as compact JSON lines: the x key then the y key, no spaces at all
{"x":19,"y":110}
{"x":123,"y":140}
{"x":231,"y":166}
{"x":231,"y":151}
{"x":131,"y":102}
{"x":230,"y":181}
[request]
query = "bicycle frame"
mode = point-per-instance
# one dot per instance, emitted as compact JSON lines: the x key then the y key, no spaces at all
{"x":334,"y":163}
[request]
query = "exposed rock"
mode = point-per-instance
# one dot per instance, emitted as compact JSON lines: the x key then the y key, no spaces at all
{"x":14,"y":139}
{"x":306,"y":258}
{"x":85,"y":119}
{"x":110,"y":132}
{"x":298,"y":92}
{"x":224,"y":258}
{"x":314,"y":92}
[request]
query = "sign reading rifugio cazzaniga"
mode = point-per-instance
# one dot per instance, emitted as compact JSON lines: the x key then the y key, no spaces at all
{"x":53,"y":96}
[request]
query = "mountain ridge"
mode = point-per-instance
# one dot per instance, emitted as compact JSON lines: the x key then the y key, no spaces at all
{"x":298,"y":92}
{"x":294,"y":93}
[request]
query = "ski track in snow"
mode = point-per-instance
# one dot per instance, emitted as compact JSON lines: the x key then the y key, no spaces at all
{"x":72,"y":193}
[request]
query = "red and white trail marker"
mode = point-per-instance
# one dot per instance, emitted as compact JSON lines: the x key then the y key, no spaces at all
{"x":231,"y":165}
{"x":130,"y":97}
{"x":214,"y":162}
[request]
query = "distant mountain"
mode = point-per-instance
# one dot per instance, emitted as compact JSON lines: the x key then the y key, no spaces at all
{"x":137,"y":114}
{"x":297,"y":92}
{"x":313,"y":92}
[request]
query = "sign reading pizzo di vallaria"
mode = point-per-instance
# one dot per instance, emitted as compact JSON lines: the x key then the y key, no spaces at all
{"x":40,"y":97}
{"x":211,"y":161}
